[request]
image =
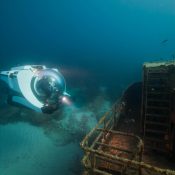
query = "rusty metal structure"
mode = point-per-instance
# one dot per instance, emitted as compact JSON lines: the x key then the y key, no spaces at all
{"x":104,"y":157}
{"x":158,"y":101}
{"x":108,"y":151}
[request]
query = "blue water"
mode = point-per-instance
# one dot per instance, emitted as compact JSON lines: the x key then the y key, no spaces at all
{"x":99,"y":46}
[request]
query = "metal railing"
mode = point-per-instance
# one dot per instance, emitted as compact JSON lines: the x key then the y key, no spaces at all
{"x":97,"y":161}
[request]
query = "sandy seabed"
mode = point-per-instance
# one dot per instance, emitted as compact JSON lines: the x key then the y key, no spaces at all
{"x":38,"y":144}
{"x":26,"y":150}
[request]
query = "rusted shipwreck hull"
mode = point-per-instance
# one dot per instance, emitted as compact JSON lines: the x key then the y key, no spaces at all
{"x":119,"y":142}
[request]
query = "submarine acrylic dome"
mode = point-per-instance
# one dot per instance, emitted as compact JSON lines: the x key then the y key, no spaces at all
{"x":49,"y":85}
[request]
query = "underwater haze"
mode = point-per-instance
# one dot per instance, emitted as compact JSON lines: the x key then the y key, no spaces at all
{"x":99,"y":46}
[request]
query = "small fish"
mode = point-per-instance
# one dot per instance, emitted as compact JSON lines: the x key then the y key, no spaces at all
{"x":164,"y":41}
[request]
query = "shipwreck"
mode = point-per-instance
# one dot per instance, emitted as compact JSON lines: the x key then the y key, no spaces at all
{"x":137,"y":135}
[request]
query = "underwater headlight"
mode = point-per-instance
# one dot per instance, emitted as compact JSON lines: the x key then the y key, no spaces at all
{"x":66,"y":100}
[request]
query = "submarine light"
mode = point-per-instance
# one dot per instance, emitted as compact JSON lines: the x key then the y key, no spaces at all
{"x":66,"y":100}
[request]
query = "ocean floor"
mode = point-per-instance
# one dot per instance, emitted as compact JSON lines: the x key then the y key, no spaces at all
{"x":26,"y":150}
{"x":39,"y":144}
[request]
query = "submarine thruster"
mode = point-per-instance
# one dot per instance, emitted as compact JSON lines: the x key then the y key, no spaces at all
{"x":36,"y":87}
